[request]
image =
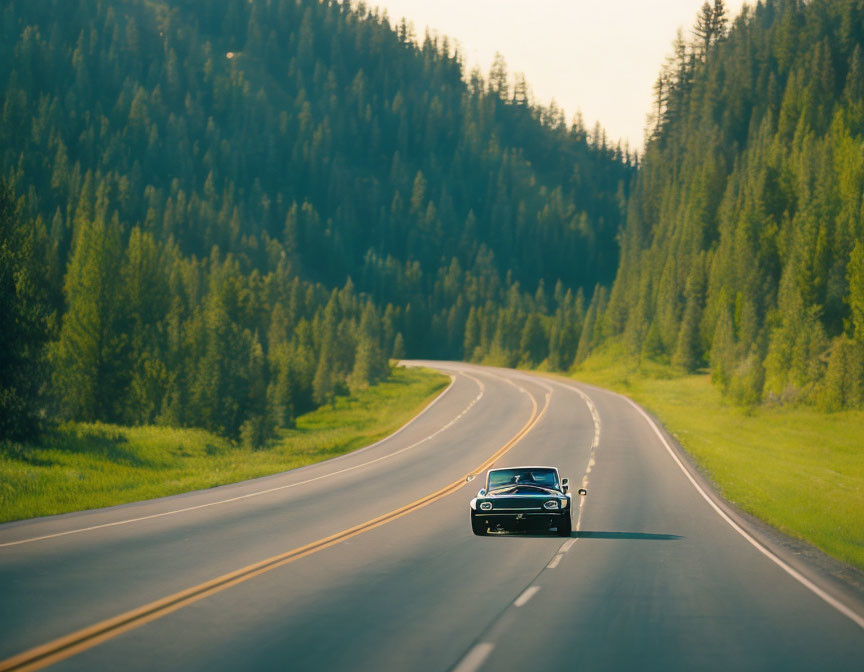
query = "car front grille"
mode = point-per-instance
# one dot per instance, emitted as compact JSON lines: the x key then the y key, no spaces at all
{"x":517,"y":503}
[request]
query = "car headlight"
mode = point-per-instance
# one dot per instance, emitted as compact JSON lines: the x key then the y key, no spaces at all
{"x":551,"y":504}
{"x":485,"y":506}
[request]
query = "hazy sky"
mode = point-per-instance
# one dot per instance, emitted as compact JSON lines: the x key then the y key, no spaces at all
{"x":598,"y":56}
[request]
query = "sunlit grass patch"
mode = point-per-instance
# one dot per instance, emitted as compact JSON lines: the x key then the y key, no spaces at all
{"x":84,"y":466}
{"x":797,"y":468}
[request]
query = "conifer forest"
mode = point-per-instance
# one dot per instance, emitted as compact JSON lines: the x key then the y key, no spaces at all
{"x":223,"y":214}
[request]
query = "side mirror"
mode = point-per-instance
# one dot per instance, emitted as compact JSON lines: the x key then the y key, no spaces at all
{"x":583,"y":492}
{"x":565,"y":484}
{"x":482,"y":492}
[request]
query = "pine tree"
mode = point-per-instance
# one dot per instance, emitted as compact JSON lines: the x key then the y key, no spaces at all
{"x":472,"y":335}
{"x":719,"y":19}
{"x":91,"y":358}
{"x":855,"y":299}
{"x":498,"y":79}
{"x":843,"y":385}
{"x":147,"y":301}
{"x":723,"y":348}
{"x":280,"y":391}
{"x":398,"y":347}
{"x":534,"y":341}
{"x":23,"y":331}
{"x":365,"y":363}
{"x":279,"y":329}
{"x":323,"y":384}
{"x":703,"y":30}
{"x":215,"y":401}
{"x":258,"y":425}
{"x":555,"y":358}
{"x":688,"y":351}
{"x":587,"y":337}
{"x":688,"y":354}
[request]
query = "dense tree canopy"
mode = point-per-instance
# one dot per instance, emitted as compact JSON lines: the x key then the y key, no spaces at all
{"x":243,"y":208}
{"x":745,"y":230}
{"x":229,"y":212}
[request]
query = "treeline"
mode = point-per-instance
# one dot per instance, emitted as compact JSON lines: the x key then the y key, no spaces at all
{"x":151,"y":336}
{"x":194,"y":180}
{"x":744,"y":243}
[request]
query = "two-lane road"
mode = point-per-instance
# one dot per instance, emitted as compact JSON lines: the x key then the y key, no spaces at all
{"x":368,"y":562}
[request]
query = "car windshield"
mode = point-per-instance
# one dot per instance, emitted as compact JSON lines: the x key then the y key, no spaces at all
{"x":546,"y":478}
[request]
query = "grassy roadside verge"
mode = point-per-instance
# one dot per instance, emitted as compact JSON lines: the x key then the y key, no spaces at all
{"x":86,"y":466}
{"x":798,"y":469}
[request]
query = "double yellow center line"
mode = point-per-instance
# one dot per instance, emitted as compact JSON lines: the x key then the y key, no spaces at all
{"x":81,"y":640}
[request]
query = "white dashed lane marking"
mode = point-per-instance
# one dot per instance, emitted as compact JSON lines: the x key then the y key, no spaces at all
{"x":475,"y":658}
{"x":522,"y":600}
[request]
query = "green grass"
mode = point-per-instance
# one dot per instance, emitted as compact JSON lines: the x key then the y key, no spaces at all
{"x":797,"y":468}
{"x":85,"y":466}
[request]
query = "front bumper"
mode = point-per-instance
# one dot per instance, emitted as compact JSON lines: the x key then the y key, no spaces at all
{"x":521,"y":520}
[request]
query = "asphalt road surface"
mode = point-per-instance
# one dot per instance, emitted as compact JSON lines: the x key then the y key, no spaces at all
{"x":367,"y":562}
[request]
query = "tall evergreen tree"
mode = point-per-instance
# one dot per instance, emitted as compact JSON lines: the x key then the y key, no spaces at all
{"x":23,"y":331}
{"x":91,"y":357}
{"x":856,"y":290}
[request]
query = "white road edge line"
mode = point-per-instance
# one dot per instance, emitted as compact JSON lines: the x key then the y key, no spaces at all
{"x":282,"y":487}
{"x":567,"y":545}
{"x":791,"y":571}
{"x":474,"y":658}
{"x":522,"y":600}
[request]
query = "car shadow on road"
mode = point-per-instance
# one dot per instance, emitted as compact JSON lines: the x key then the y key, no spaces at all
{"x":625,"y":535}
{"x":643,"y":536}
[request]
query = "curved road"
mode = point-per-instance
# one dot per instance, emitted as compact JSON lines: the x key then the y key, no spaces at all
{"x":367,"y":562}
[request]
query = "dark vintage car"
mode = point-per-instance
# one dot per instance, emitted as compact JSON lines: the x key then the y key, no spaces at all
{"x":523,"y":499}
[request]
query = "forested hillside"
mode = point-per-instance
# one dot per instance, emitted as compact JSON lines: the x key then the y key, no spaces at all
{"x":744,"y":242}
{"x":226,"y":212}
